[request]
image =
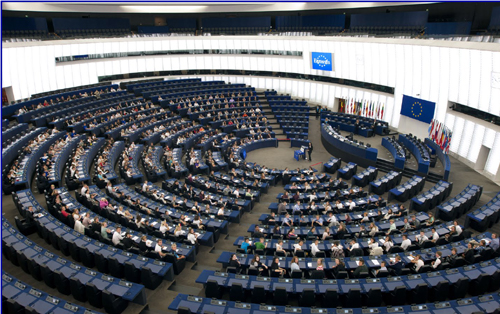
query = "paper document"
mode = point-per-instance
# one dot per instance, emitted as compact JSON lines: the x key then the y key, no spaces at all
{"x":375,"y":262}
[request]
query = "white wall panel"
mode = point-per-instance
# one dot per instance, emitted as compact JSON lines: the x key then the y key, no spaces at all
{"x":174,"y":44}
{"x":485,"y":80}
{"x":190,"y":44}
{"x":425,"y":74}
{"x":31,"y":68}
{"x":141,"y":64}
{"x":307,"y":90}
{"x":458,"y":131}
{"x":495,"y":91}
{"x":434,"y":74}
{"x":7,"y":66}
{"x":464,"y":76}
{"x":60,"y":77}
{"x":150,"y":65}
{"x":407,"y":75}
{"x":493,"y":161}
{"x":477,"y":137}
{"x":454,"y":73}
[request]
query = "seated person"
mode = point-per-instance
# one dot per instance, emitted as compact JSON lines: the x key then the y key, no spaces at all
{"x":174,"y":250}
{"x":245,"y":244}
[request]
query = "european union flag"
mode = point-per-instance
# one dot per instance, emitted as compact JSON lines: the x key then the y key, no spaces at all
{"x":418,"y":109}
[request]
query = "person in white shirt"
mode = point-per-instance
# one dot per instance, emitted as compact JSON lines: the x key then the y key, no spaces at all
{"x":314,"y":247}
{"x":332,"y":220}
{"x":339,"y":205}
{"x":236,"y":193}
{"x":298,"y":246}
{"x":351,"y":205}
{"x":117,"y":236}
{"x":372,"y":244}
{"x":406,"y":242}
{"x":192,"y":236}
{"x":458,"y":229}
{"x":220,"y":212}
{"x":279,"y":247}
{"x":435,"y":235}
{"x":164,"y":227}
{"x":418,"y":262}
{"x":437,"y":262}
{"x":354,"y":245}
{"x":159,"y":248}
{"x":84,"y":189}
{"x":388,"y":243}
{"x":421,"y":238}
{"x":145,"y":186}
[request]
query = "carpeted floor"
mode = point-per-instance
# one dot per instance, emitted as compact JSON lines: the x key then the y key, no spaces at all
{"x":159,"y":299}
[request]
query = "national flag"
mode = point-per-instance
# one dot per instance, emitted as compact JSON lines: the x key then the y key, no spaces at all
{"x":431,"y":125}
{"x":382,"y":112}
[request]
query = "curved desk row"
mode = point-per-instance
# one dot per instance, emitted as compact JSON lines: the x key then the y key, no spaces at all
{"x":246,"y":148}
{"x":396,"y":152}
{"x":29,"y":162}
{"x":160,"y":82}
{"x":244,"y":204}
{"x":116,"y":132}
{"x":460,"y":204}
{"x":78,"y":107}
{"x":332,"y":165}
{"x":40,"y":258}
{"x":341,"y":147}
{"x":210,"y":217}
{"x":347,"y":171}
{"x":364,"y":177}
{"x":85,"y":162}
{"x":381,"y":128}
{"x":387,"y":182}
{"x":428,"y":200}
{"x":13,"y":131}
{"x":350,"y":127}
{"x":81,"y":125}
{"x":60,"y":159}
{"x":300,"y":109}
{"x":187,"y":303}
{"x":407,"y":190}
{"x":163,"y":88}
{"x":444,"y":158}
{"x":486,"y":216}
{"x":421,"y":156}
{"x":234,"y":88}
{"x":19,"y":294}
{"x":154,"y":93}
{"x":157,"y":136}
{"x":10,"y":153}
{"x":54,"y":230}
{"x":10,"y":110}
{"x":114,"y":154}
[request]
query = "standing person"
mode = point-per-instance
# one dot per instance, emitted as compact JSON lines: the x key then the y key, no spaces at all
{"x":310,"y":150}
{"x":318,"y":109}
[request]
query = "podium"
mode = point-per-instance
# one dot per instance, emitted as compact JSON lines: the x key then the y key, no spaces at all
{"x":298,"y":154}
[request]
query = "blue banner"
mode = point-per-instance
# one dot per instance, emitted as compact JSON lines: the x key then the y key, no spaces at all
{"x":418,"y":109}
{"x":322,"y":61}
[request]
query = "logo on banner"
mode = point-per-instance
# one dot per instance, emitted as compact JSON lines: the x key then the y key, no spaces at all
{"x":322,"y":61}
{"x":417,"y":109}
